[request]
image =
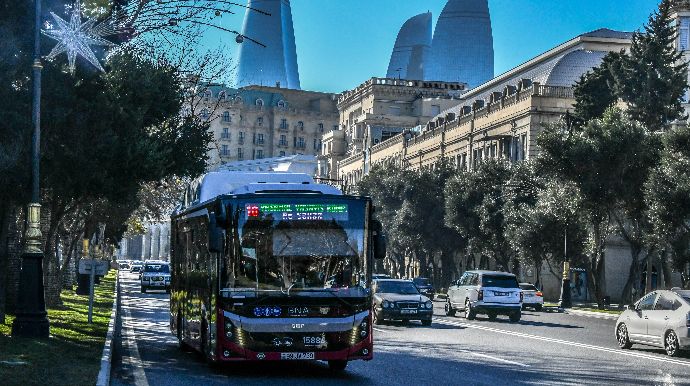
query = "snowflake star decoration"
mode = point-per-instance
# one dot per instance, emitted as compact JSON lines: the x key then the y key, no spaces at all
{"x":76,"y":37}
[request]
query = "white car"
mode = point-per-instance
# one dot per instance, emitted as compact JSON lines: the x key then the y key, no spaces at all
{"x":661,"y":319}
{"x":532,"y":297}
{"x":486,"y":292}
{"x":155,"y":275}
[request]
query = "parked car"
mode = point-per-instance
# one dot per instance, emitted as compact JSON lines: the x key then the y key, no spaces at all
{"x":136,"y":266}
{"x":377,"y":276}
{"x":486,"y":292}
{"x":400,"y":300}
{"x":532,"y":297}
{"x":155,"y":275}
{"x":660,"y":319}
{"x":425,"y":287}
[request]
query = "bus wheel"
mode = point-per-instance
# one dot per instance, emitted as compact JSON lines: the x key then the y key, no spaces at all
{"x":338,"y":365}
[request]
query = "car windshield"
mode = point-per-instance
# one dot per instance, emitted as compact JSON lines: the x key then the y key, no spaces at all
{"x":397,"y":287}
{"x":499,"y":281}
{"x":528,"y":287}
{"x":421,"y":281}
{"x":159,"y":268}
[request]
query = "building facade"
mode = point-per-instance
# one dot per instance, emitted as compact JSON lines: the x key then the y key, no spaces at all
{"x":462,"y":49}
{"x":255,"y":122}
{"x":276,"y":63}
{"x":412,"y":49}
{"x":376,"y":111}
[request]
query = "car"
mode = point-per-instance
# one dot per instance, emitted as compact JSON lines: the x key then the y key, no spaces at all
{"x":425,"y":287}
{"x":532,"y":297}
{"x":397,"y":299}
{"x":660,"y":319}
{"x":123,"y":265}
{"x":485,"y":292}
{"x":155,"y":275}
{"x":136,"y":266}
{"x":377,"y":276}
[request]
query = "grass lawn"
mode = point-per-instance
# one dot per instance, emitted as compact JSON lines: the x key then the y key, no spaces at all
{"x":72,"y":356}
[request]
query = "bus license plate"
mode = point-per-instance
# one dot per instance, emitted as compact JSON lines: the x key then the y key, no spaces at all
{"x":408,"y":311}
{"x":296,"y":356}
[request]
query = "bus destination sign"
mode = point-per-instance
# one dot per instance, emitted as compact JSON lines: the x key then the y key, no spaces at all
{"x":298,"y":212}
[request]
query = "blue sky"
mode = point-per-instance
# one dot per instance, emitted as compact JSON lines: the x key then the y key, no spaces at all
{"x":342,"y":43}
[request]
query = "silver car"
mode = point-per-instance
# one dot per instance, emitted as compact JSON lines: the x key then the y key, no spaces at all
{"x":661,"y":319}
{"x":486,"y":292}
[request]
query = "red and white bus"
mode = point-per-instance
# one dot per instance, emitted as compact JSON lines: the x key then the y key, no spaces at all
{"x":270,"y":266}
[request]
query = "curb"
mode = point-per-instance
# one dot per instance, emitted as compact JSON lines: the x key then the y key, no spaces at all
{"x":104,"y":374}
{"x":592,"y":314}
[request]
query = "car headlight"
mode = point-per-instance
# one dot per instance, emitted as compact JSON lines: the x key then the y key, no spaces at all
{"x":385,"y":304}
{"x":429,"y":304}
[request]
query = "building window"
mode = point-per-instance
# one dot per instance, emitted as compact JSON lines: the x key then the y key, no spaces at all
{"x":226,"y":133}
{"x":208,"y":95}
{"x":320,"y":145}
{"x":222,"y":95}
{"x":259,"y":121}
{"x":224,"y":151}
{"x":435,"y":110}
{"x":259,"y":102}
{"x":260,"y":139}
{"x":254,"y":138}
{"x":321,"y":126}
{"x":281,"y":104}
{"x":240,"y":154}
{"x":259,"y":154}
{"x":301,"y":144}
{"x":684,"y":34}
{"x":226,"y":116}
{"x":283,"y":141}
{"x":282,"y":154}
{"x":240,"y":137}
{"x":238,"y":98}
{"x":335,"y":127}
{"x":393,"y":110}
{"x":300,"y":125}
{"x":524,"y":147}
{"x":315,"y":144}
{"x":204,"y":115}
{"x":284,"y":124}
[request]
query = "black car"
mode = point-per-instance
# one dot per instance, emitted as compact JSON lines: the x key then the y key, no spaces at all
{"x":425,"y":287}
{"x":400,"y":300}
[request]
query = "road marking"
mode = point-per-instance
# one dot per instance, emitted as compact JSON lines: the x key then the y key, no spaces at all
{"x":494,"y":358}
{"x":134,"y":359}
{"x":565,"y":342}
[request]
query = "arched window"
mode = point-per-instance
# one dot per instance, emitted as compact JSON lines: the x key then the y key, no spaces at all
{"x":259,"y":120}
{"x":321,"y":126}
{"x":226,"y":116}
{"x":204,"y":114}
{"x":222,"y":95}
{"x":259,"y":102}
{"x":300,"y":124}
{"x":208,"y":94}
{"x":281,"y":104}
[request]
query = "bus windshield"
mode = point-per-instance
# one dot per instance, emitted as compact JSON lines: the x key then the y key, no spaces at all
{"x":296,"y":245}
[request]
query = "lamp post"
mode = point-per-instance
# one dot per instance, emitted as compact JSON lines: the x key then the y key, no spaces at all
{"x":565,"y":300}
{"x":31,"y":320}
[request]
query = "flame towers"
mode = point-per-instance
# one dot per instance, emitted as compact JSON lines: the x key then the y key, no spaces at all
{"x":462,"y":48}
{"x":277,"y":62}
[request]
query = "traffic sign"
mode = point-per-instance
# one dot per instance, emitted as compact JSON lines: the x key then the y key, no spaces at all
{"x":102,"y":267}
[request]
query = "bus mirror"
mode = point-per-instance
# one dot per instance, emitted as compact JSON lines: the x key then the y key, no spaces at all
{"x":379,"y":245}
{"x":215,"y":235}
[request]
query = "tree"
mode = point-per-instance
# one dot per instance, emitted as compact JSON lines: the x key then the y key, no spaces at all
{"x":595,"y":91}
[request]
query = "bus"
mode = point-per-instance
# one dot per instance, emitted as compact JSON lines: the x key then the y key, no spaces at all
{"x":269,"y":266}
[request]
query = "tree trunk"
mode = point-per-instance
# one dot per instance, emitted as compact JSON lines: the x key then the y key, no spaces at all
{"x":5,"y":214}
{"x":51,"y":264}
{"x":447,"y":268}
{"x":633,"y":277}
{"x":598,"y":266}
{"x":666,"y":269}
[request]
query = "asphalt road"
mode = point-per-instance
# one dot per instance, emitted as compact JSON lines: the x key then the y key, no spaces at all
{"x":544,"y":348}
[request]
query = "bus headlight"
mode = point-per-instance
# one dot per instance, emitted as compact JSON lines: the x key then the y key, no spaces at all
{"x":228,"y":329}
{"x":385,"y":304}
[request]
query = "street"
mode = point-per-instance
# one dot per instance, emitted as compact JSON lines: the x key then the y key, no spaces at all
{"x":543,"y":348}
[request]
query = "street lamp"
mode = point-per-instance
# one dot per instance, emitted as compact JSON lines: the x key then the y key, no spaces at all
{"x":565,"y":300}
{"x":31,"y":320}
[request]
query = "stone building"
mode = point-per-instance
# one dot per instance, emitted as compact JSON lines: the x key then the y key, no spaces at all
{"x":376,"y":111}
{"x":153,"y":245}
{"x":258,"y":122}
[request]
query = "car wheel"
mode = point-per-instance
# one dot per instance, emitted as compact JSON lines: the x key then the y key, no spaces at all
{"x":377,"y":318}
{"x":426,"y":323}
{"x":671,"y":344}
{"x":538,"y":307}
{"x":622,"y":336}
{"x":492,"y":316}
{"x":450,"y":311}
{"x":515,"y":316}
{"x":338,"y":365}
{"x":470,"y":314}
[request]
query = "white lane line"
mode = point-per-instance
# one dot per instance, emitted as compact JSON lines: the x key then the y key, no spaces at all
{"x":380,"y":330}
{"x":494,"y":358}
{"x":134,"y":359}
{"x":568,"y":343}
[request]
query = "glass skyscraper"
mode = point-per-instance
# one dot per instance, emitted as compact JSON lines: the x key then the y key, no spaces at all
{"x":412,"y":49}
{"x":462,"y":48}
{"x":277,"y":62}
